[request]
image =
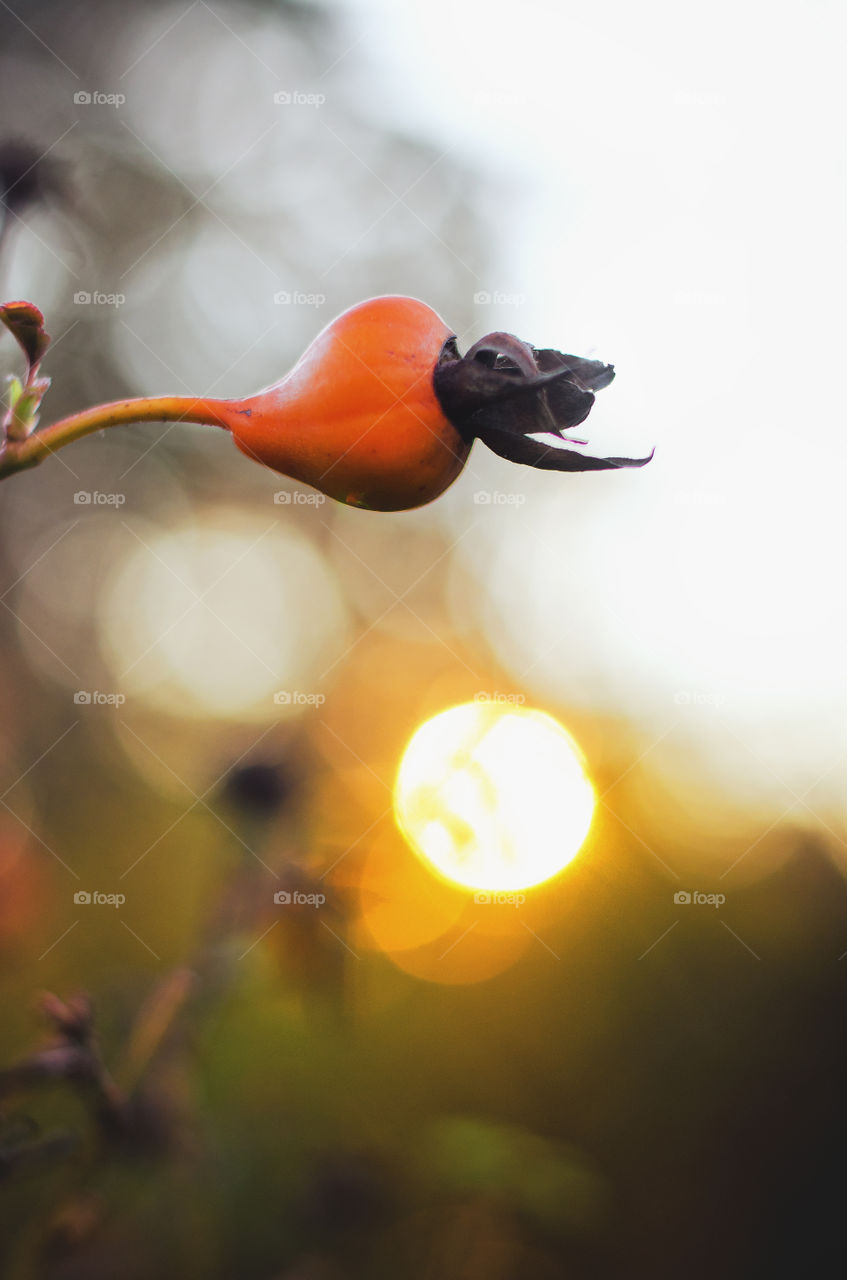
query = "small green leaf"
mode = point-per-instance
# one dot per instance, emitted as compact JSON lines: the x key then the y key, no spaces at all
{"x":14,"y":387}
{"x":23,"y":418}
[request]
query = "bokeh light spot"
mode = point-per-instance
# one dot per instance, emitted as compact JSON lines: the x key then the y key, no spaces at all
{"x":494,"y":796}
{"x":226,"y":616}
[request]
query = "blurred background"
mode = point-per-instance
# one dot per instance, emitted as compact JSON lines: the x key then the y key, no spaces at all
{"x":209,"y":676}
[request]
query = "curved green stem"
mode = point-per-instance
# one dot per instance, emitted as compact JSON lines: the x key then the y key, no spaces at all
{"x":17,"y":455}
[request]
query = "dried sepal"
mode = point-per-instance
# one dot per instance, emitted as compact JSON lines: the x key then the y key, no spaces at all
{"x":506,"y":393}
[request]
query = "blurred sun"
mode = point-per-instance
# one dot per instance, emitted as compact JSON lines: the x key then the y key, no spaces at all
{"x":493,"y":796}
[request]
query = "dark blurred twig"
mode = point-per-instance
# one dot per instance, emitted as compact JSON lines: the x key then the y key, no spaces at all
{"x":71,"y":1057}
{"x":28,"y":178}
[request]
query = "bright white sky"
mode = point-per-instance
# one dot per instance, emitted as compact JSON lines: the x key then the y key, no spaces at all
{"x":683,"y":182}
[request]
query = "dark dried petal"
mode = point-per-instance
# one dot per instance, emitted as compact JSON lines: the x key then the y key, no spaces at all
{"x":594,"y":375}
{"x":504,"y":392}
{"x":534,"y":453}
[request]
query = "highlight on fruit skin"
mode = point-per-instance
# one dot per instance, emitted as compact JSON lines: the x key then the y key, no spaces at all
{"x":381,"y":410}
